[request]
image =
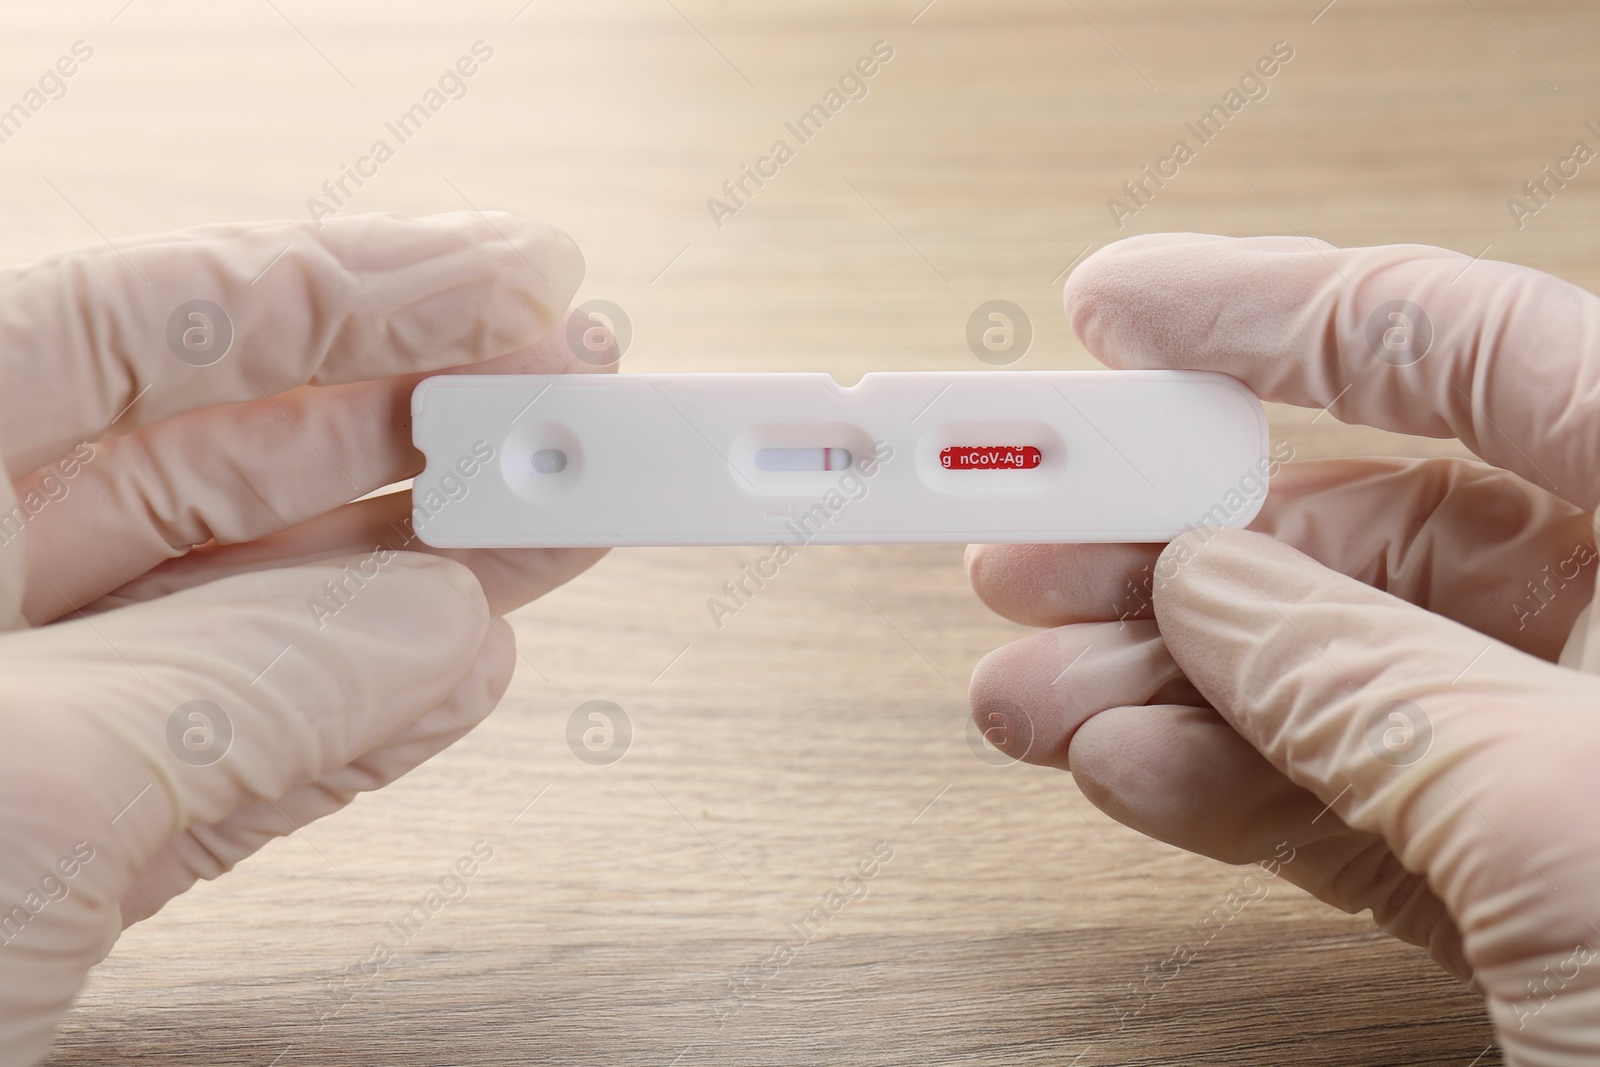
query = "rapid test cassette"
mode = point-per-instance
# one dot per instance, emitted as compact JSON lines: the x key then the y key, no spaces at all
{"x":517,"y":461}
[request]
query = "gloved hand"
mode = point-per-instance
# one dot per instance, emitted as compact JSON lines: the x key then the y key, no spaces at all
{"x":1378,"y":679}
{"x":171,"y":698}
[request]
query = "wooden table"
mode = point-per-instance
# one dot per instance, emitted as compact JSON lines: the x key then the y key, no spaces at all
{"x":770,"y":756}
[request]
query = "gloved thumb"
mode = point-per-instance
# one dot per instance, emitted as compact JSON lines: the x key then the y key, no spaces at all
{"x":1473,"y":760}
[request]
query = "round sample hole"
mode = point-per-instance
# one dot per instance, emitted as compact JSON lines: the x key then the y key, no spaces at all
{"x":549,"y":461}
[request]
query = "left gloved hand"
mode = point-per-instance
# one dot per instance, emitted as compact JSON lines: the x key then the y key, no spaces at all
{"x":209,"y":645}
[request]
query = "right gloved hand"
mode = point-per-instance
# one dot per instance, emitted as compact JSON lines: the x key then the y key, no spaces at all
{"x":1370,"y":677}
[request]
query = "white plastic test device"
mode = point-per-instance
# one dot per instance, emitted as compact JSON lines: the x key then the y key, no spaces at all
{"x":519,"y":461}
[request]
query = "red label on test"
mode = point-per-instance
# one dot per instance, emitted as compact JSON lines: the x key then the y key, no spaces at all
{"x":990,"y":458}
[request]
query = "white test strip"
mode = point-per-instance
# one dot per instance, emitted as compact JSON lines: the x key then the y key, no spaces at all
{"x":517,"y":461}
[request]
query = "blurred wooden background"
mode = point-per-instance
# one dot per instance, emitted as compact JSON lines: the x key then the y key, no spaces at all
{"x":769,"y":756}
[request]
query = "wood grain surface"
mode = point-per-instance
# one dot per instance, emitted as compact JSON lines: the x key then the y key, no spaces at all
{"x":770,"y":756}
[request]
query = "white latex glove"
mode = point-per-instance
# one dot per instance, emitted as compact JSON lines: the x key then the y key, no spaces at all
{"x":1251,"y":700}
{"x":198,"y":538}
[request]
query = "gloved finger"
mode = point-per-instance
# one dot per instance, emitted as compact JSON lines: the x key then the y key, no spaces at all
{"x":95,"y":340}
{"x":13,"y":558}
{"x":1413,"y":727}
{"x":1470,"y":542}
{"x":368,"y":528}
{"x":1505,"y":358}
{"x":232,"y":474}
{"x":1030,"y":697}
{"x":1075,"y":698}
{"x":1058,"y":585}
{"x":1296,"y":657}
{"x":177,"y":712}
{"x":211,"y":850}
{"x":1358,"y":872}
{"x":229,"y":693}
{"x":1182,"y":775}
